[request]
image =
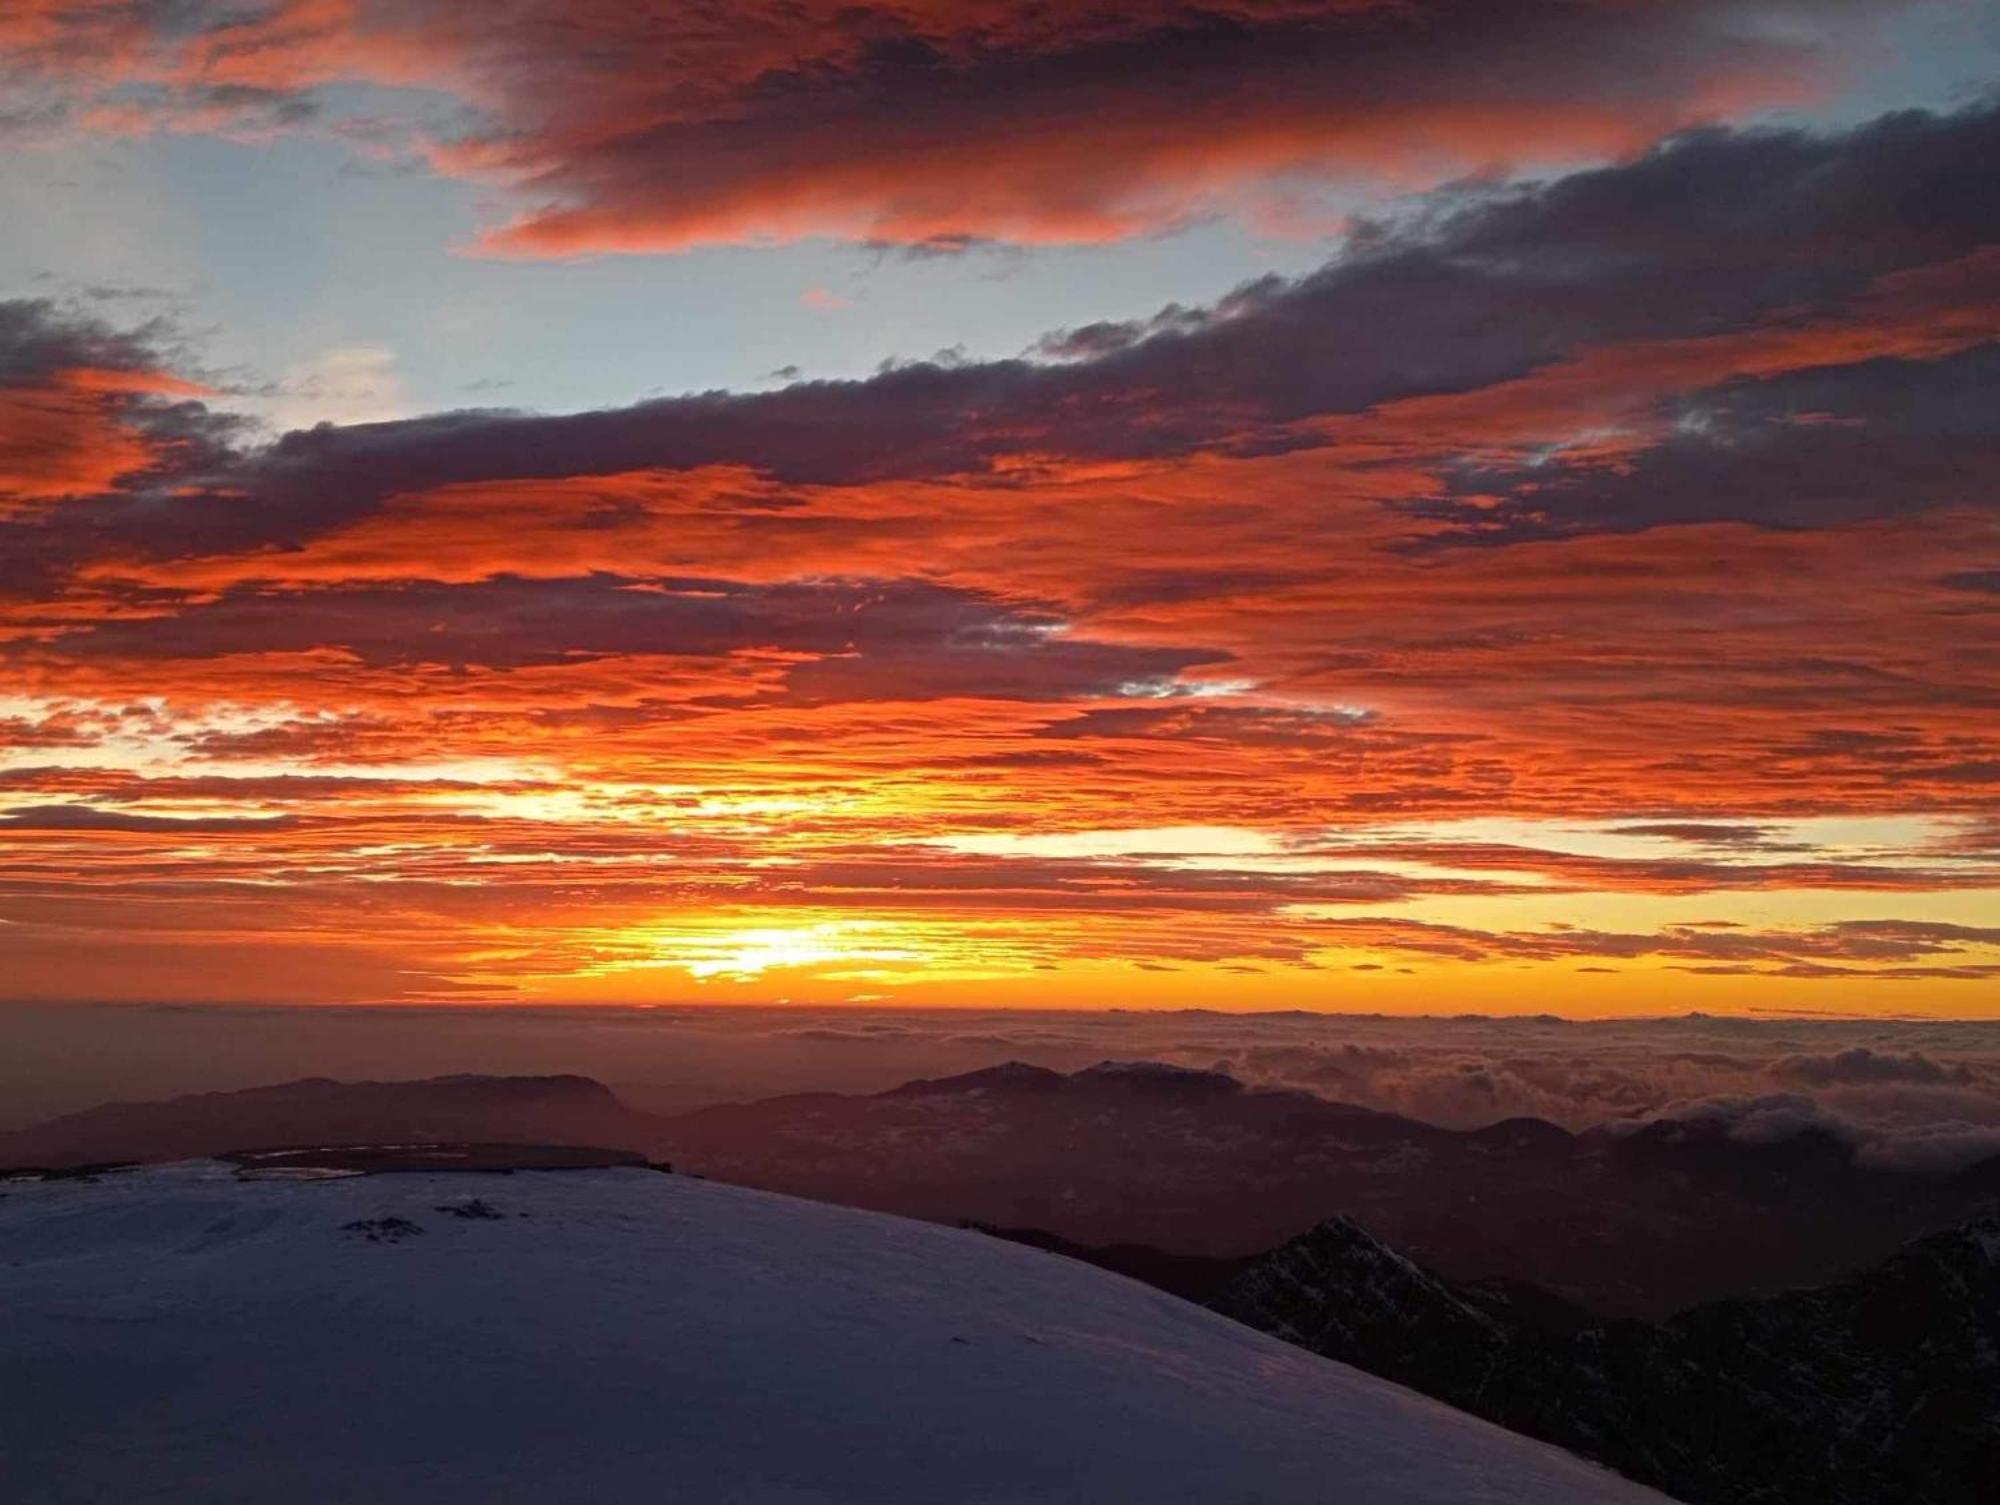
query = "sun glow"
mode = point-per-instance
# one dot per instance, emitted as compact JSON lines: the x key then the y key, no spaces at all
{"x":1400,"y":614}
{"x":750,"y":953}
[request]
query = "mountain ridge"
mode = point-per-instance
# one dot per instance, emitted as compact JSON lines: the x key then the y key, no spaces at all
{"x":553,"y":1109}
{"x":1875,"y":1390}
{"x":1636,"y":1220}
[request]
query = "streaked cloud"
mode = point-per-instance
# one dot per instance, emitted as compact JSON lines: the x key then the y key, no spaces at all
{"x":656,"y":127}
{"x":1573,"y":592}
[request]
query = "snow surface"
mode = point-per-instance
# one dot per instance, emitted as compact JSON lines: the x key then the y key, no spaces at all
{"x":179,"y":1334}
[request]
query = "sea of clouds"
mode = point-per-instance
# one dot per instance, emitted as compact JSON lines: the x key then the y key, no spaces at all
{"x":1908,"y":1093}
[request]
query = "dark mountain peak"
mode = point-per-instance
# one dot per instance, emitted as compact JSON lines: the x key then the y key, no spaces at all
{"x":1151,"y":1079}
{"x":1719,"y":1148}
{"x":1972,"y":1250}
{"x":1874,"y":1390}
{"x":1008,"y":1077}
{"x":1342,"y":1292}
{"x":563,"y":1086}
{"x":1159,"y":1079}
{"x":1523,"y":1134}
{"x":1340,"y":1247}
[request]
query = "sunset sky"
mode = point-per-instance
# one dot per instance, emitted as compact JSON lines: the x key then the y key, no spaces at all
{"x":1354,"y":504}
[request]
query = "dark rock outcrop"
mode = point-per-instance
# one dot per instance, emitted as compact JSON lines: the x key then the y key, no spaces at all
{"x":1880,"y":1389}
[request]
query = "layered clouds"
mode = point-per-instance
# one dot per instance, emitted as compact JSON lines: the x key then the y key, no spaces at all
{"x":1577,"y":593}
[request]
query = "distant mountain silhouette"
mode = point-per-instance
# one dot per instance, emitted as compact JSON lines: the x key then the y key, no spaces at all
{"x":1184,"y":1165}
{"x":1193,"y":1163}
{"x":1880,"y":1389}
{"x":556,"y":1110}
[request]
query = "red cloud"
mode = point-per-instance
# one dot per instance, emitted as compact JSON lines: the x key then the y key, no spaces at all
{"x":81,"y":408}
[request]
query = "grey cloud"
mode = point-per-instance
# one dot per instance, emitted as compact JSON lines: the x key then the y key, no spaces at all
{"x":1805,"y":449}
{"x":38,"y":339}
{"x":1710,"y":232}
{"x":1859,"y":1064}
{"x":89,"y":818}
{"x":883,"y":639}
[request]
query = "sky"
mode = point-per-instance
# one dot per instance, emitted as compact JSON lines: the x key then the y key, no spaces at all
{"x":1269,"y":504}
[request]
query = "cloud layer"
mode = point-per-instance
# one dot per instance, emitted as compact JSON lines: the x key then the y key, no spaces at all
{"x":621,"y":126}
{"x":1578,"y":589}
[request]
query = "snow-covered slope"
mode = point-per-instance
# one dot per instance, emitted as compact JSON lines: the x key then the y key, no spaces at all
{"x":180,"y":1334}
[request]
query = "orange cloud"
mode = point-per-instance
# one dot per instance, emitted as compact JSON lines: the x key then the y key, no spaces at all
{"x":1403,"y":621}
{"x":71,"y":434}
